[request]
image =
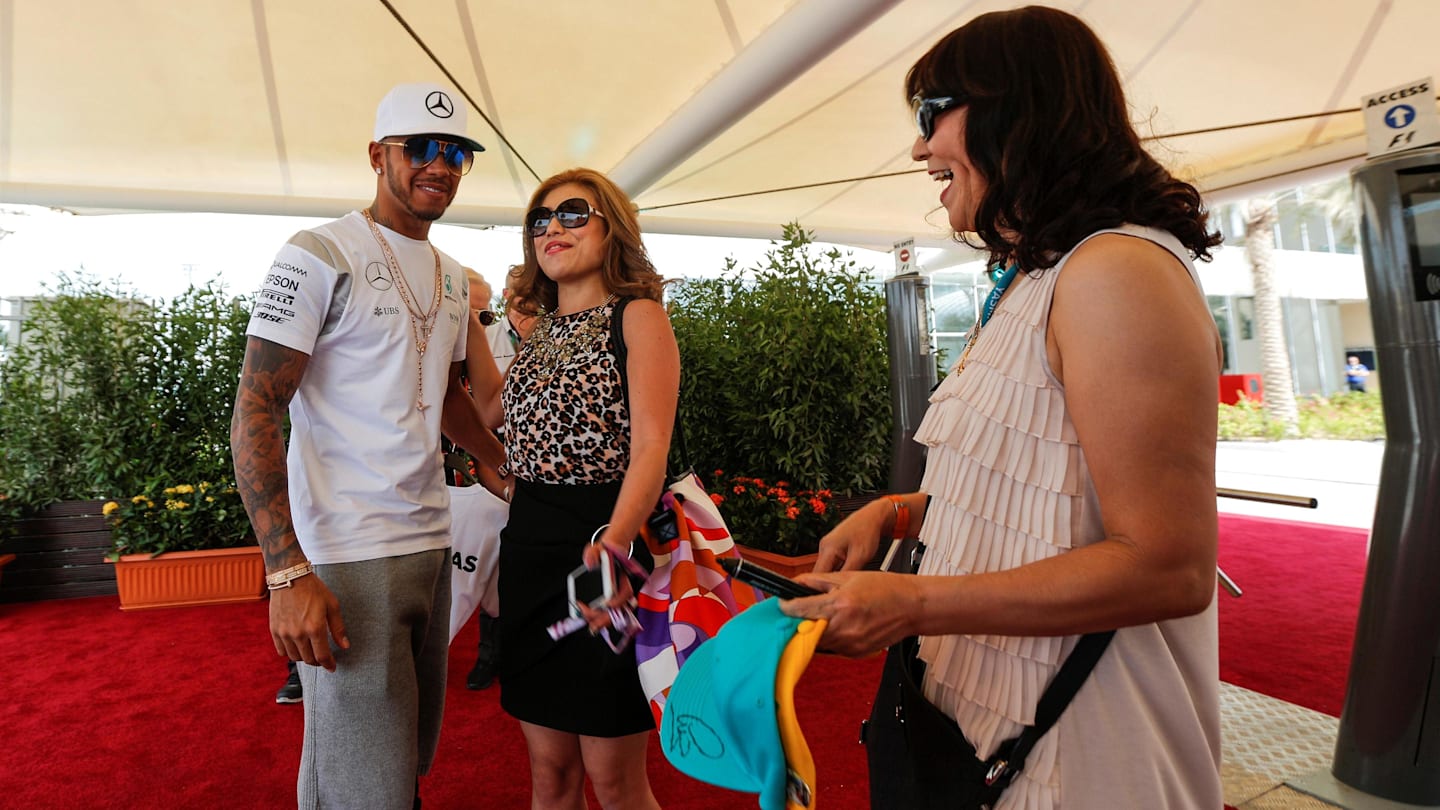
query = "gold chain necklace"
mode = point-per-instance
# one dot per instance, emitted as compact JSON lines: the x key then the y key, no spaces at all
{"x":969,"y":344}
{"x":551,"y":354}
{"x":422,"y":324}
{"x":1002,"y":275}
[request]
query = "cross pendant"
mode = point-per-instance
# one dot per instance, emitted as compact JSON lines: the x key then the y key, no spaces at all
{"x":420,"y":406}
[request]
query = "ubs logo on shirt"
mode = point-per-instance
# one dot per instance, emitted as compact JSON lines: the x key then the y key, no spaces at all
{"x":379,"y":276}
{"x":382,"y":311}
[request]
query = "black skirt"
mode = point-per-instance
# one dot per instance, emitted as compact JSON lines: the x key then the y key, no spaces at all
{"x":576,"y":684}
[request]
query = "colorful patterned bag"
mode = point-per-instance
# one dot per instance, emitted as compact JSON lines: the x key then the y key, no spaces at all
{"x":688,"y":596}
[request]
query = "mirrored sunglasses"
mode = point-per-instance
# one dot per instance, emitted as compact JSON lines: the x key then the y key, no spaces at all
{"x":572,"y":213}
{"x":928,"y":109}
{"x":421,"y":151}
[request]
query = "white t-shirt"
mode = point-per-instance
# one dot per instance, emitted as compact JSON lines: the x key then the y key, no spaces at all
{"x":366,"y":480}
{"x":503,"y":344}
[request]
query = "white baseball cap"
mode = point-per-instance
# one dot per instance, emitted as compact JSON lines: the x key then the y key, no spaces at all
{"x":422,"y":108}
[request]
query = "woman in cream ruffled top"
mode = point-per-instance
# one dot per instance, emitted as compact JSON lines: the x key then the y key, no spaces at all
{"x":1070,"y":478}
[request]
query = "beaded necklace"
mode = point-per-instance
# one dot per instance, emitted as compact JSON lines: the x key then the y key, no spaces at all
{"x":422,"y":324}
{"x":551,"y":354}
{"x":1002,"y":278}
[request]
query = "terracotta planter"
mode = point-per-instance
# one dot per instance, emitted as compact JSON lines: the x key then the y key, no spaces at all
{"x":779,"y":563}
{"x":210,"y":577}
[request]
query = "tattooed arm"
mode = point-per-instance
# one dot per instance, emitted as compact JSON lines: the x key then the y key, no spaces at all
{"x":304,"y":616}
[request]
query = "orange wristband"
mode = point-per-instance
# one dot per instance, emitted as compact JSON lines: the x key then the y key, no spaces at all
{"x":902,"y":517}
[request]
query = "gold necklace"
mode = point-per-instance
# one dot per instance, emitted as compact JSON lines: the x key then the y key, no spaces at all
{"x":969,"y":344}
{"x":422,"y":324}
{"x":1002,"y":275}
{"x":551,"y":354}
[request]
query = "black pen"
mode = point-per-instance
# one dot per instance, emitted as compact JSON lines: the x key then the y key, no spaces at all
{"x":765,"y":579}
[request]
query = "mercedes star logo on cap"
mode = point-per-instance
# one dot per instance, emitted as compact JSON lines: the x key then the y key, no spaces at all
{"x":439,"y":105}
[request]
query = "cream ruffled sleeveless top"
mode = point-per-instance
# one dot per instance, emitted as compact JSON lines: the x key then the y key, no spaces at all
{"x":1009,"y":485}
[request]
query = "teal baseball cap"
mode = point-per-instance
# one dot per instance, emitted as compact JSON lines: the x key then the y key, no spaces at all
{"x":730,"y":717}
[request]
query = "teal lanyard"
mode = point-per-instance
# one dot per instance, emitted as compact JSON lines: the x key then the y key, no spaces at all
{"x":1002,"y":283}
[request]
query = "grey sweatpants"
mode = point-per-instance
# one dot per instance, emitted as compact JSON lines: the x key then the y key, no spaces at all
{"x":372,"y":725}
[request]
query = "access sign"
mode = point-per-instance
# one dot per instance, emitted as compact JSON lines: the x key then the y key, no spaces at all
{"x":1401,"y":118}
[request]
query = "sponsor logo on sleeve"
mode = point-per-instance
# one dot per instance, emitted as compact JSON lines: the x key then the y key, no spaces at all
{"x":277,"y":293}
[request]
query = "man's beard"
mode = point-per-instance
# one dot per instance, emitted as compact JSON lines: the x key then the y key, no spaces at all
{"x":405,"y":196}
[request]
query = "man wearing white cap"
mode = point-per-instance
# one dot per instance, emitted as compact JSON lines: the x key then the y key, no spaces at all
{"x":359,"y":330}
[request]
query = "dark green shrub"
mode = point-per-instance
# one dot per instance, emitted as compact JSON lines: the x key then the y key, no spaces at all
{"x":785,"y":374}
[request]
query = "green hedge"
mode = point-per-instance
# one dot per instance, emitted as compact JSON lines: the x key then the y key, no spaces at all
{"x":1347,"y":415}
{"x":109,"y":395}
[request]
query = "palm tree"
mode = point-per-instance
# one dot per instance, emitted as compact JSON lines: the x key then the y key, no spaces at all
{"x":1274,"y":359}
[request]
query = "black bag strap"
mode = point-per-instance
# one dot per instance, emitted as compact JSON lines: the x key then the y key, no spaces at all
{"x":1005,"y":764}
{"x":617,"y":348}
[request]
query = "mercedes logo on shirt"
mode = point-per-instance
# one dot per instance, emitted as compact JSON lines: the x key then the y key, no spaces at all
{"x":439,"y":104}
{"x":378,"y":275}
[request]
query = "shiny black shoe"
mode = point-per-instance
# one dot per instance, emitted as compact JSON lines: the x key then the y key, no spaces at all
{"x":291,"y":692}
{"x":482,"y":675}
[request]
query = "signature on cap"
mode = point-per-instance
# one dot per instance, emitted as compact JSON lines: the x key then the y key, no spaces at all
{"x":689,"y":731}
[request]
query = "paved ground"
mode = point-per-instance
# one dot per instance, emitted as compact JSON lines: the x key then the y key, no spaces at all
{"x":1342,"y":476}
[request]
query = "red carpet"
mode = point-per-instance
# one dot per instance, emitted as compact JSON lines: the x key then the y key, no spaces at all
{"x":1290,"y":635}
{"x":175,"y":708}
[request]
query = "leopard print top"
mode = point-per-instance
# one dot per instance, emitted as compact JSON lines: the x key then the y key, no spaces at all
{"x":573,"y":428}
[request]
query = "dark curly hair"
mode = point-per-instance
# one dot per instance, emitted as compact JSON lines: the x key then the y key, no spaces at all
{"x":1048,"y":129}
{"x":626,"y":266}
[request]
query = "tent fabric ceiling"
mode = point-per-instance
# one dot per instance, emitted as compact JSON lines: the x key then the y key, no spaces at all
{"x":265,"y":106}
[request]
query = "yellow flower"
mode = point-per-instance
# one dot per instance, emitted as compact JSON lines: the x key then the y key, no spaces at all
{"x":209,"y":498}
{"x":204,"y":486}
{"x":139,"y":499}
{"x":109,"y":508}
{"x":184,"y":489}
{"x":176,"y":505}
{"x":169,"y":491}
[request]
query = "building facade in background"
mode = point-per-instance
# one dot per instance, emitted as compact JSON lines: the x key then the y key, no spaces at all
{"x":1318,"y":271}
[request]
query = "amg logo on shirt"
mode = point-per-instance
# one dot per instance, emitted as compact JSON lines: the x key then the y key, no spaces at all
{"x":289,"y":313}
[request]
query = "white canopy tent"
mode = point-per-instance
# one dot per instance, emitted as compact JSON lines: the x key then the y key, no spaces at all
{"x":703,"y":109}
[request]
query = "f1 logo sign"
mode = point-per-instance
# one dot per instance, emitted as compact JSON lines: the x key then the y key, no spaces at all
{"x":1401,"y":118}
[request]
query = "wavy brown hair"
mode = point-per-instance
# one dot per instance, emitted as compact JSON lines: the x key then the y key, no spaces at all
{"x":626,"y":267}
{"x":1049,"y":130}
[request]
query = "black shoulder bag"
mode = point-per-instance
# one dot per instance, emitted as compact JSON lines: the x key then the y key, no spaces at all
{"x":920,"y":760}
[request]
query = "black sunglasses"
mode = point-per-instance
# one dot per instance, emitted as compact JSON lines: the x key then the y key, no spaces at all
{"x":422,"y":151}
{"x":572,"y":213}
{"x":928,"y":109}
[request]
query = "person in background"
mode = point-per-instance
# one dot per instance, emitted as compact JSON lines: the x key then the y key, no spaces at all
{"x":588,"y":459}
{"x":1355,"y":374}
{"x":502,"y":339}
{"x":1047,"y":508}
{"x":359,"y":330}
